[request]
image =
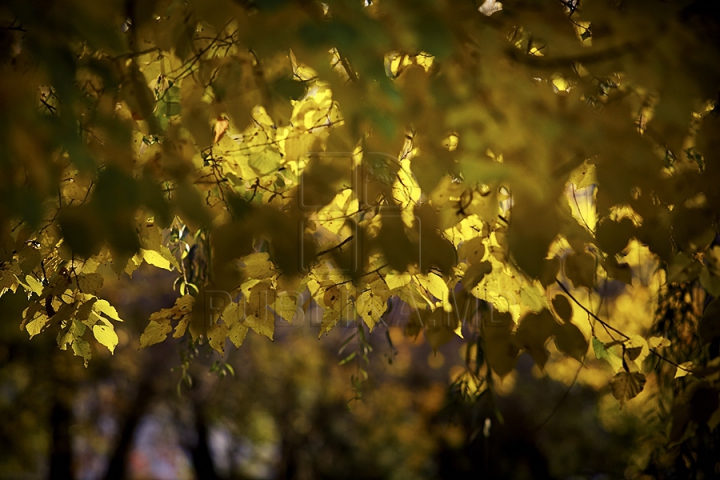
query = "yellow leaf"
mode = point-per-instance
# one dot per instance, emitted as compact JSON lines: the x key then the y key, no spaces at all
{"x":37,"y":324}
{"x":329,"y":320}
{"x":286,"y":306}
{"x":437,"y":287}
{"x":533,"y":297}
{"x":155,"y":258}
{"x":258,"y":265}
{"x":237,"y":333}
{"x":35,"y":285}
{"x":262,"y":322}
{"x":133,"y":264}
{"x":8,"y":277}
{"x":439,"y":336}
{"x":397,"y":280}
{"x":654,"y":342}
{"x":406,"y":192}
{"x":684,"y":369}
{"x":217,"y":334}
{"x":259,"y":297}
{"x":370,"y":306}
{"x":182,"y":326}
{"x":155,"y":332}
{"x":458,"y":330}
{"x":233,"y":313}
{"x":103,"y":306}
{"x":106,"y":336}
{"x":636,"y":349}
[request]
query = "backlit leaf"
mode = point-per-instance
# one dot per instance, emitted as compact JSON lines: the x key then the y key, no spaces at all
{"x":370,"y":307}
{"x":106,"y":336}
{"x":81,"y":348}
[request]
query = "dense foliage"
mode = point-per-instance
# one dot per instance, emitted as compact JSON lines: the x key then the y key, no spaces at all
{"x":489,"y":171}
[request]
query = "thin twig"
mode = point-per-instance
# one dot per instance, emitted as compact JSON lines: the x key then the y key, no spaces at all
{"x":626,"y":337}
{"x":568,"y":61}
{"x":338,"y":246}
{"x":602,"y":322}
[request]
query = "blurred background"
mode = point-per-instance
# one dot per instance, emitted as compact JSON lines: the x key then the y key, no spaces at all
{"x":296,"y":408}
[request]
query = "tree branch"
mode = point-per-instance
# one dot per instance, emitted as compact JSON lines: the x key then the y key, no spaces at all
{"x":602,"y":322}
{"x":626,"y":337}
{"x":585,"y":58}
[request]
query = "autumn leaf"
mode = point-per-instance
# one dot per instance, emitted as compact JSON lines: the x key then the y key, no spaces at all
{"x":534,"y":333}
{"x":626,"y":386}
{"x":569,"y":339}
{"x":81,"y":348}
{"x":370,"y":307}
{"x":156,"y":331}
{"x":562,"y":307}
{"x":221,"y":126}
{"x":106,"y":336}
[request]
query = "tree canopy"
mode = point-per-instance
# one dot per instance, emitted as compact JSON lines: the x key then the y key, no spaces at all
{"x":492,"y":171}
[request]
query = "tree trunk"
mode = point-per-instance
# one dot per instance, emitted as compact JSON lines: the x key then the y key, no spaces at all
{"x":117,"y":466}
{"x":200,"y":451}
{"x":61,"y":446}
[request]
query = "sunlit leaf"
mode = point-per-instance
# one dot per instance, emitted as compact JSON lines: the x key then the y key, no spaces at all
{"x":106,"y":336}
{"x":370,"y":307}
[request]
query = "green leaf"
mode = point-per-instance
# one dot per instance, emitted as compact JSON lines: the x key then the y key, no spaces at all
{"x":604,"y":353}
{"x":533,"y":297}
{"x":81,"y":348}
{"x":348,"y":359}
{"x":265,"y":161}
